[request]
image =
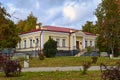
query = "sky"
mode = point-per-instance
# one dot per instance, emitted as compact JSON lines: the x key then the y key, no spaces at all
{"x":65,"y":13}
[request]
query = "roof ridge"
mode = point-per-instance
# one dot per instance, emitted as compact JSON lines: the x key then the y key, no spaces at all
{"x":59,"y":27}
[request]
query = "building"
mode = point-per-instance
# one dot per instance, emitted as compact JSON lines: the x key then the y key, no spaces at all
{"x":68,"y":40}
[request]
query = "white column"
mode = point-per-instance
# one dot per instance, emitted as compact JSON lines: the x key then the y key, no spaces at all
{"x":83,"y":42}
{"x":42,"y":39}
{"x":71,"y":42}
{"x":74,"y":42}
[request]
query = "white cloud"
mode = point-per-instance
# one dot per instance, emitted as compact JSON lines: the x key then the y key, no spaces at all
{"x":17,"y":13}
{"x":37,"y":5}
{"x":77,"y":11}
{"x":69,"y":12}
{"x":11,"y":8}
{"x":73,"y":13}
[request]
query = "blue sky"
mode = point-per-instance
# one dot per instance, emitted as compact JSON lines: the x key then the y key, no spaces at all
{"x":67,"y":13}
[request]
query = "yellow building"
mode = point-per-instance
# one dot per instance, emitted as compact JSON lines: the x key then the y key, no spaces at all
{"x":68,"y":40}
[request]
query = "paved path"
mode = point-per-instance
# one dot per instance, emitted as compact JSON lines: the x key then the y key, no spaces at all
{"x":72,"y":68}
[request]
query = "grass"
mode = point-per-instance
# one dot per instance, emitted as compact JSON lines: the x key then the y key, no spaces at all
{"x":69,"y":61}
{"x":62,"y":75}
{"x":58,"y":75}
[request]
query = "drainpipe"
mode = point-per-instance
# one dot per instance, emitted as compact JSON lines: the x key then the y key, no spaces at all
{"x":40,"y":40}
{"x":42,"y":29}
{"x":69,"y":40}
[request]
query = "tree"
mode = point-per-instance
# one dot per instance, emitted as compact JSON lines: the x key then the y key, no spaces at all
{"x":90,"y":27}
{"x":50,"y":48}
{"x":28,"y":24}
{"x":8,"y":32}
{"x":108,"y":16}
{"x":20,"y":25}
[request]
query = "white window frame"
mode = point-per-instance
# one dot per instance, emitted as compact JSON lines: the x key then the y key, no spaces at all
{"x":36,"y":42}
{"x":63,"y":42}
{"x":58,"y":42}
{"x":91,"y":43}
{"x":25,"y":43}
{"x":19,"y":45}
{"x":31,"y":43}
{"x":86,"y":43}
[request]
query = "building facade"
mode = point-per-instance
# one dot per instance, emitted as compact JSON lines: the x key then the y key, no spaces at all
{"x":68,"y":40}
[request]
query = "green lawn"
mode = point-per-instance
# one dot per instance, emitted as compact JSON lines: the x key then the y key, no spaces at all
{"x":68,"y":61}
{"x":59,"y":75}
{"x":71,"y":75}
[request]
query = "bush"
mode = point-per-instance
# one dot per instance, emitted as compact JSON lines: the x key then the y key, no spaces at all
{"x":85,"y":65}
{"x":110,"y":73}
{"x":41,"y":56}
{"x":94,"y":59}
{"x":89,"y":50}
{"x":12,"y":68}
{"x":50,"y":48}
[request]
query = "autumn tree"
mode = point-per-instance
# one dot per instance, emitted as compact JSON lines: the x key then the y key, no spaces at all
{"x":108,"y":17}
{"x":8,"y":32}
{"x":20,"y":25}
{"x":28,"y":24}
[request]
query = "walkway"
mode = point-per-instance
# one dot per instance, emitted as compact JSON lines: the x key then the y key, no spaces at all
{"x":72,"y":68}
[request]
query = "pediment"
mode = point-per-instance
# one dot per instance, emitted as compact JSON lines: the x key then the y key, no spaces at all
{"x":80,"y":33}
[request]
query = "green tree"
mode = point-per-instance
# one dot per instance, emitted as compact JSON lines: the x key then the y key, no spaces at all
{"x":28,"y":24}
{"x":50,"y":48}
{"x":8,"y":32}
{"x":108,"y":17}
{"x":20,"y":25}
{"x":90,"y":27}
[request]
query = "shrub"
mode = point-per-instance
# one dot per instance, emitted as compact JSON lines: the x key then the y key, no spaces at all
{"x":110,"y":73}
{"x":94,"y":59}
{"x":12,"y":68}
{"x":41,"y":56}
{"x":85,"y":65}
{"x":89,"y":50}
{"x":50,"y":48}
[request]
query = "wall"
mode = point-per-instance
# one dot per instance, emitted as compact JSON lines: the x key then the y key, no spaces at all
{"x":27,"y":37}
{"x":60,"y":36}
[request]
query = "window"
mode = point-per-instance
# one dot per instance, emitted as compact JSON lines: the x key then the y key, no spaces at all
{"x":37,"y":42}
{"x":19,"y":45}
{"x":30,"y":43}
{"x":58,"y":42}
{"x":24,"y":43}
{"x":63,"y":42}
{"x":85,"y":43}
{"x":90,"y":43}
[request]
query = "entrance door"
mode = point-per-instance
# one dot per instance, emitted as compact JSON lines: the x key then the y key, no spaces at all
{"x":77,"y":44}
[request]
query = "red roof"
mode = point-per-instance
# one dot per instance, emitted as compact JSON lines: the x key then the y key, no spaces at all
{"x":87,"y":33}
{"x":34,"y":30}
{"x":52,"y":28}
{"x":57,"y":29}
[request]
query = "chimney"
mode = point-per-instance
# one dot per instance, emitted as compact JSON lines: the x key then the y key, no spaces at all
{"x":37,"y":26}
